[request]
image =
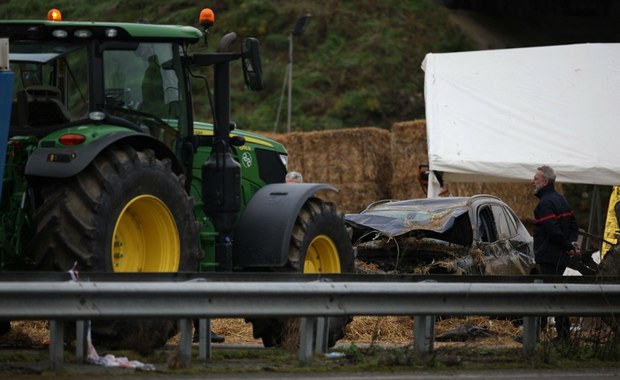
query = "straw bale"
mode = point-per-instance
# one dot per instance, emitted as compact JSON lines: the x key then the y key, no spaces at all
{"x":356,"y":161}
{"x":516,"y":195}
{"x":393,"y":329}
{"x":399,"y":329}
{"x":363,"y":329}
{"x":409,"y":189}
{"x":369,"y":164}
{"x":235,"y":330}
{"x":353,"y":197}
{"x":347,"y":155}
{"x":339,"y":156}
{"x":409,"y":149}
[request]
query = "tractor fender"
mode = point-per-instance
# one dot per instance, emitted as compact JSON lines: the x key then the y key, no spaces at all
{"x":67,"y":162}
{"x":264,"y":231}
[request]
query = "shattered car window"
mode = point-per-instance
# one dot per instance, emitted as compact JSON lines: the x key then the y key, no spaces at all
{"x":503,"y":228}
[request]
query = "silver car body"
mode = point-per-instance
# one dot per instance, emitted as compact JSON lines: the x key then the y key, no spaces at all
{"x":457,"y":235}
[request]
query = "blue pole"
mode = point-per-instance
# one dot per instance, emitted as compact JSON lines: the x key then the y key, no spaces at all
{"x":6,"y":97}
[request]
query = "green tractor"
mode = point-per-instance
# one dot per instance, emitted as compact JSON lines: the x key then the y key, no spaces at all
{"x":107,"y":170}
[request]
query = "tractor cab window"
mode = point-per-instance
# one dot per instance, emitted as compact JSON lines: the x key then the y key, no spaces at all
{"x":51,"y":84}
{"x":143,"y":84}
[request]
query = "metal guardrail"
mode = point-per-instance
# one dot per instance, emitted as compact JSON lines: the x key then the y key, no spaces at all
{"x":204,"y":299}
{"x":90,"y":300}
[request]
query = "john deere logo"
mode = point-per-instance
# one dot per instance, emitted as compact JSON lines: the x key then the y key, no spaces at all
{"x":246,"y":159}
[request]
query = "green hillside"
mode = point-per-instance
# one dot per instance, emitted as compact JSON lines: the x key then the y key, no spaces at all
{"x":357,"y":64}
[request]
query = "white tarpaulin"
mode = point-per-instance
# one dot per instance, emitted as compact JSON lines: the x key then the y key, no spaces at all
{"x":496,"y":115}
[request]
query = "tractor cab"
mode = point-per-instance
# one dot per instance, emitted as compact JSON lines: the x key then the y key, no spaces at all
{"x":74,"y":74}
{"x":51,"y":88}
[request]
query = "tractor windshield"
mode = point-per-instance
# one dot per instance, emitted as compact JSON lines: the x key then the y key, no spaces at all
{"x":142,"y":84}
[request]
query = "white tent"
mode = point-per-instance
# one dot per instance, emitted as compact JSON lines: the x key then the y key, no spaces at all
{"x":496,"y":115}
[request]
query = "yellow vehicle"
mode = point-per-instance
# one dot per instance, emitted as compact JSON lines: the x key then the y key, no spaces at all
{"x":612,"y":228}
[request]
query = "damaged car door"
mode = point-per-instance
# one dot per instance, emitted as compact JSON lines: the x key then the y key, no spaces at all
{"x":506,"y":252}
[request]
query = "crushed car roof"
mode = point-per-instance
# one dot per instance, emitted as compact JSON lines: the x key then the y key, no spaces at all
{"x":395,"y":218}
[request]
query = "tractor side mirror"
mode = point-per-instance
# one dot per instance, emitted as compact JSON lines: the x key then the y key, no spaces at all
{"x":252,"y":68}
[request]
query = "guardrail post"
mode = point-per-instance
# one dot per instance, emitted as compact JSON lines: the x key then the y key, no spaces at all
{"x":185,"y":343}
{"x":530,"y":334}
{"x":57,"y":337}
{"x":204,"y":340}
{"x":423,"y":333}
{"x":322,"y":332}
{"x":306,"y":335}
{"x":531,"y":328}
{"x":81,"y":344}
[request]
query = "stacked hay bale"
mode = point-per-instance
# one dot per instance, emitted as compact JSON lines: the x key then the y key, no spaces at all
{"x":370,"y":164}
{"x":409,"y":149}
{"x":355,"y":161}
{"x":517,"y":195}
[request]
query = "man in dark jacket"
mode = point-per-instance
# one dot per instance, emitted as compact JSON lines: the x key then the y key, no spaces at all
{"x":555,"y":233}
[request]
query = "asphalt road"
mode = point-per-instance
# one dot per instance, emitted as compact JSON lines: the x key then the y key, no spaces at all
{"x":75,"y":372}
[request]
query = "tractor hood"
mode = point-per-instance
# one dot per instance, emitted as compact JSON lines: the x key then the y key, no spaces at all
{"x":205,"y":131}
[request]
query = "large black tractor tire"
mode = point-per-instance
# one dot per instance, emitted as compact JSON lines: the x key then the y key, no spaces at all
{"x":319,"y":243}
{"x":126,"y":212}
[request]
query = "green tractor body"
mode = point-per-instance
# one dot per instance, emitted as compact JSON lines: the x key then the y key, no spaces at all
{"x":107,"y":170}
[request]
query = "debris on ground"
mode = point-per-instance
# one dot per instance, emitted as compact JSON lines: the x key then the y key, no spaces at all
{"x":110,"y":360}
{"x":465,"y":332}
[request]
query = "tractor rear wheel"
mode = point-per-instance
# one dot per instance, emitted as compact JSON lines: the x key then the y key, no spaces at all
{"x":319,"y":243}
{"x":127,"y":212}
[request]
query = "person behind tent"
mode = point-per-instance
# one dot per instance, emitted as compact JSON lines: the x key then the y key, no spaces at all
{"x":423,"y":174}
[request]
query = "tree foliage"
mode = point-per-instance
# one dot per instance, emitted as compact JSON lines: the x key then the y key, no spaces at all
{"x":357,"y":64}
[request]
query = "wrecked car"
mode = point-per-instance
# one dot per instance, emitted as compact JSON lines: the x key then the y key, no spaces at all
{"x":446,"y":235}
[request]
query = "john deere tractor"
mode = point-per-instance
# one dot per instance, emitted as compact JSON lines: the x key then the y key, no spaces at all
{"x":107,"y":170}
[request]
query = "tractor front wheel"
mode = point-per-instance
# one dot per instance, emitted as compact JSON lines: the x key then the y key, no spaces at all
{"x":319,"y":243}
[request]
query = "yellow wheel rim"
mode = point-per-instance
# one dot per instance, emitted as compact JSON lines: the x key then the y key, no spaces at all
{"x":322,"y":256}
{"x":146,"y":238}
